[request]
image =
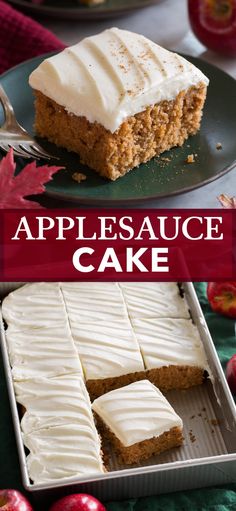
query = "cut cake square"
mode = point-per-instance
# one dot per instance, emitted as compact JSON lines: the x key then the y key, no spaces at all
{"x":94,"y":302}
{"x":62,"y":452}
{"x":172,"y":351}
{"x":47,"y":351}
{"x":138,"y":421}
{"x":109,"y":353}
{"x":49,"y":402}
{"x":154,"y":299}
{"x":117,"y":99}
{"x":34,"y":306}
{"x":38,"y":333}
{"x":58,"y":428}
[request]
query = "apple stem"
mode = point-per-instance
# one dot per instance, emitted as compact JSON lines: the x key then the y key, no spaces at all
{"x":228,"y":296}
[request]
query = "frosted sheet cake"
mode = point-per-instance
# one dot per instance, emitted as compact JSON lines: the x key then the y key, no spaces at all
{"x":105,"y":335}
{"x":101,"y":334}
{"x":117,"y":99}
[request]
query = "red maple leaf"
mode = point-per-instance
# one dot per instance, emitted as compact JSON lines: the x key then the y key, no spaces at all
{"x":29,"y":181}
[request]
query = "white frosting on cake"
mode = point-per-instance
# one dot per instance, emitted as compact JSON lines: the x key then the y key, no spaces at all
{"x":61,"y":452}
{"x":165,"y":342}
{"x":36,"y":352}
{"x":51,"y":402}
{"x":154,"y":299}
{"x":94,"y":301}
{"x":112,"y":76}
{"x":136,"y":412}
{"x":58,"y":428}
{"x":34,"y":305}
{"x":106,"y":349}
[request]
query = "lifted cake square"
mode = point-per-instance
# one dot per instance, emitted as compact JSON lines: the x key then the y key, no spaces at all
{"x":138,"y":421}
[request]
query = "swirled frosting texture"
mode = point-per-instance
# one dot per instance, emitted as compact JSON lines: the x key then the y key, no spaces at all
{"x":165,"y":342}
{"x":58,"y":428}
{"x":60,"y":452}
{"x":112,"y":76}
{"x":52,"y":327}
{"x":154,"y":299}
{"x":136,"y":412}
{"x":34,"y":306}
{"x":94,"y":302}
{"x":48,"y":352}
{"x":38,"y":334}
{"x":107,"y":350}
{"x":51,"y":402}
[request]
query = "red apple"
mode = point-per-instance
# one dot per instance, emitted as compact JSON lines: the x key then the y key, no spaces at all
{"x":78,"y":502}
{"x":214,"y":24}
{"x":13,"y":500}
{"x":231,"y":373}
{"x":222,"y":297}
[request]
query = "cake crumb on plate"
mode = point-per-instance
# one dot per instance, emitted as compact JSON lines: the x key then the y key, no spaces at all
{"x":79,"y":176}
{"x":190,"y":158}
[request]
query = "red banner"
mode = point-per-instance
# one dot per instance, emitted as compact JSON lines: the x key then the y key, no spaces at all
{"x":107,"y":244}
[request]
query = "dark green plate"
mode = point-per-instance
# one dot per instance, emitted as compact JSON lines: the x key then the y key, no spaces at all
{"x":161,"y":177}
{"x":72,"y":9}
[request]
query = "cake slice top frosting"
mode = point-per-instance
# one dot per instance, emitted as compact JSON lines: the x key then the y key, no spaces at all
{"x":112,"y":76}
{"x":34,"y":306}
{"x":154,"y":299}
{"x":58,"y":428}
{"x":107,"y":350}
{"x":60,"y":452}
{"x":168,"y":341}
{"x":93,"y":303}
{"x":48,"y":351}
{"x":136,"y":412}
{"x":51,"y":402}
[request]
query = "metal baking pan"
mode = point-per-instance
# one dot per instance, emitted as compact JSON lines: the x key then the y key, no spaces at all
{"x":208,"y":456}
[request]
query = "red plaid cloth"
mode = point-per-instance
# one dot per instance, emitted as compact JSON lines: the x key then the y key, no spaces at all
{"x":22,"y":38}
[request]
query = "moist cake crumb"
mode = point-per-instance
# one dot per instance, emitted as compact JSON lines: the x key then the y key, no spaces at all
{"x":79,"y":176}
{"x":190,"y":158}
{"x":215,"y":422}
{"x":138,"y":139}
{"x":166,"y":159}
{"x":192,"y":436}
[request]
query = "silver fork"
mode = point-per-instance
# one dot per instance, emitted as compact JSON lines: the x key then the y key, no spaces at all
{"x":12,"y":135}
